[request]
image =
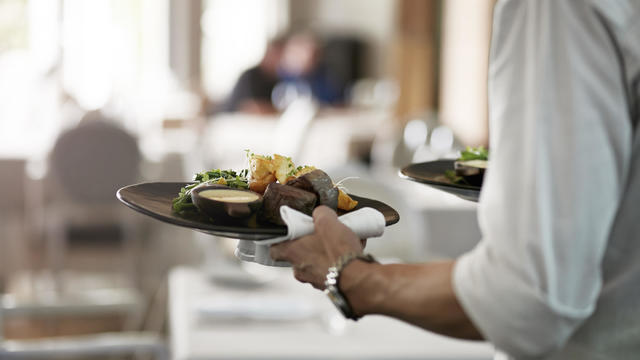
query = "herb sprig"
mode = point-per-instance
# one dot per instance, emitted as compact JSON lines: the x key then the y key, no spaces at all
{"x":455,"y":178}
{"x":230,"y":178}
{"x":470,"y":153}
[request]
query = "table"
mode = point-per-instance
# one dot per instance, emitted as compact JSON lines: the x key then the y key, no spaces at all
{"x":449,"y":224}
{"x":323,"y":335}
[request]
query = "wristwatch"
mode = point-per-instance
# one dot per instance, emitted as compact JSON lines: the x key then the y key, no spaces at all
{"x":331,"y":284}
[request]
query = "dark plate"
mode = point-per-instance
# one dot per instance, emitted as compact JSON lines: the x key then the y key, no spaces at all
{"x":154,"y":199}
{"x":432,"y":174}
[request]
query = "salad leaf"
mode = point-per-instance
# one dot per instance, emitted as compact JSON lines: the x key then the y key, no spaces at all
{"x":230,"y":178}
{"x":470,"y":153}
{"x":455,"y":178}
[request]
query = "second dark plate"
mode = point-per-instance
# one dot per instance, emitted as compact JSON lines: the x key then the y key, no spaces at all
{"x":432,"y":174}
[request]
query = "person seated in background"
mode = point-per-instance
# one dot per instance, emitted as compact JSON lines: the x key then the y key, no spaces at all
{"x":302,"y":68}
{"x":252,"y":91}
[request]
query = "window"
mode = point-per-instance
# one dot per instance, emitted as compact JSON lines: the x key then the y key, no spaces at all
{"x":235,"y":35}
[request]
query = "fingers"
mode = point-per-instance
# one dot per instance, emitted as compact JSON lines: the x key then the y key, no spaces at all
{"x":312,"y":255}
{"x":322,"y":217}
{"x":280,"y":252}
{"x":325,"y":220}
{"x":324,"y":213}
{"x":289,"y":250}
{"x":306,"y":270}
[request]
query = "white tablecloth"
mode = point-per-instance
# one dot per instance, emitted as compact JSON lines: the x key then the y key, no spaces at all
{"x":325,"y":335}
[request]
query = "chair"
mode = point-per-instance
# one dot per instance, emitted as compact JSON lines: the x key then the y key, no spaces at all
{"x":87,"y":165}
{"x":12,"y":214}
{"x":79,"y":346}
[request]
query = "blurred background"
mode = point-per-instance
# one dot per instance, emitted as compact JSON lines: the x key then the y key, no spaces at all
{"x":95,"y":95}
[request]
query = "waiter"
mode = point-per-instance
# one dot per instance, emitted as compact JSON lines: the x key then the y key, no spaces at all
{"x":557,"y":272}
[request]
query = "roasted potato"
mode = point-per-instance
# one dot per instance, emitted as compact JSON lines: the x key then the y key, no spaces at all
{"x":345,"y":202}
{"x":282,"y":166}
{"x":260,"y":173}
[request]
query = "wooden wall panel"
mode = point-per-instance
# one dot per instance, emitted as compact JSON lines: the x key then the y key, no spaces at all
{"x":415,"y":56}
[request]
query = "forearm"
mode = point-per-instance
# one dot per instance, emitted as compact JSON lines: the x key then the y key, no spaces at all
{"x":418,"y":294}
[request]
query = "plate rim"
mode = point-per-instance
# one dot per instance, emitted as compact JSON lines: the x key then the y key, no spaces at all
{"x":220,"y":230}
{"x":404,"y":175}
{"x":275,"y":231}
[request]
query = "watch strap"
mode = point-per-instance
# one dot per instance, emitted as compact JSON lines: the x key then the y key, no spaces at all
{"x":332,"y":286}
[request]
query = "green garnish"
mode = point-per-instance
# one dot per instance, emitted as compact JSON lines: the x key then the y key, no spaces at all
{"x":479,"y":153}
{"x":232,"y":179}
{"x":470,"y":153}
{"x":292,"y":172}
{"x":454,"y":178}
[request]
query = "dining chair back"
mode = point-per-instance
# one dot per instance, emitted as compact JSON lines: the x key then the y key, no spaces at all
{"x":12,"y":216}
{"x":90,"y":162}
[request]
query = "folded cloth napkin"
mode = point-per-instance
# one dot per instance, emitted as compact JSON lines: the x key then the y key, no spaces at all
{"x":366,"y":223}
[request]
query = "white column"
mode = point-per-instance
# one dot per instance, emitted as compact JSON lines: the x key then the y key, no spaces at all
{"x":184,"y":41}
{"x":466,"y":32}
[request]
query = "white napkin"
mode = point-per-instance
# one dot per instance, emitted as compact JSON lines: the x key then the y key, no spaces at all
{"x":366,"y":223}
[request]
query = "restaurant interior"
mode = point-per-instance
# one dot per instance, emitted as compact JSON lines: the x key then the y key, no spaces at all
{"x":97,"y":95}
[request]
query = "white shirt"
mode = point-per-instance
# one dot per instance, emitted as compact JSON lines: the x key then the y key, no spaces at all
{"x":557,"y":273}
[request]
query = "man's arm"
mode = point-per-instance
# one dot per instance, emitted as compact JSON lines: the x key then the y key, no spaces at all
{"x":419,"y":294}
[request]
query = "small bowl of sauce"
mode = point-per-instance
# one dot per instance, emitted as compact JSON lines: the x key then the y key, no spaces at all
{"x":219,"y":201}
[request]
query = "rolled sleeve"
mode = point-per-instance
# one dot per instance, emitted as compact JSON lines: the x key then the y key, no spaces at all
{"x":509,"y":312}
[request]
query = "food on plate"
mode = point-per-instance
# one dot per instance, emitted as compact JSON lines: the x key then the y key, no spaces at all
{"x":301,"y":170}
{"x":219,"y":201}
{"x":229,"y":178}
{"x":319,"y":183}
{"x":471,"y":153}
{"x":279,"y":180}
{"x":469,"y":168}
{"x":345,"y":202}
{"x":230,"y":195}
{"x":283,"y":168}
{"x":278,"y":195}
{"x":264,"y":170}
{"x":267,"y":169}
{"x":261,"y":172}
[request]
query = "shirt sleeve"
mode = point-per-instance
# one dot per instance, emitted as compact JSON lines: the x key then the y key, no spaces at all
{"x":560,"y":136}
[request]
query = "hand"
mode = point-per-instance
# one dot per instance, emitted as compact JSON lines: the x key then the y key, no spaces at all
{"x":312,"y":255}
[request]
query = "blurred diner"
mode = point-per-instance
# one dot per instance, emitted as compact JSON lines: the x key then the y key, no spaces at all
{"x":252,"y":93}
